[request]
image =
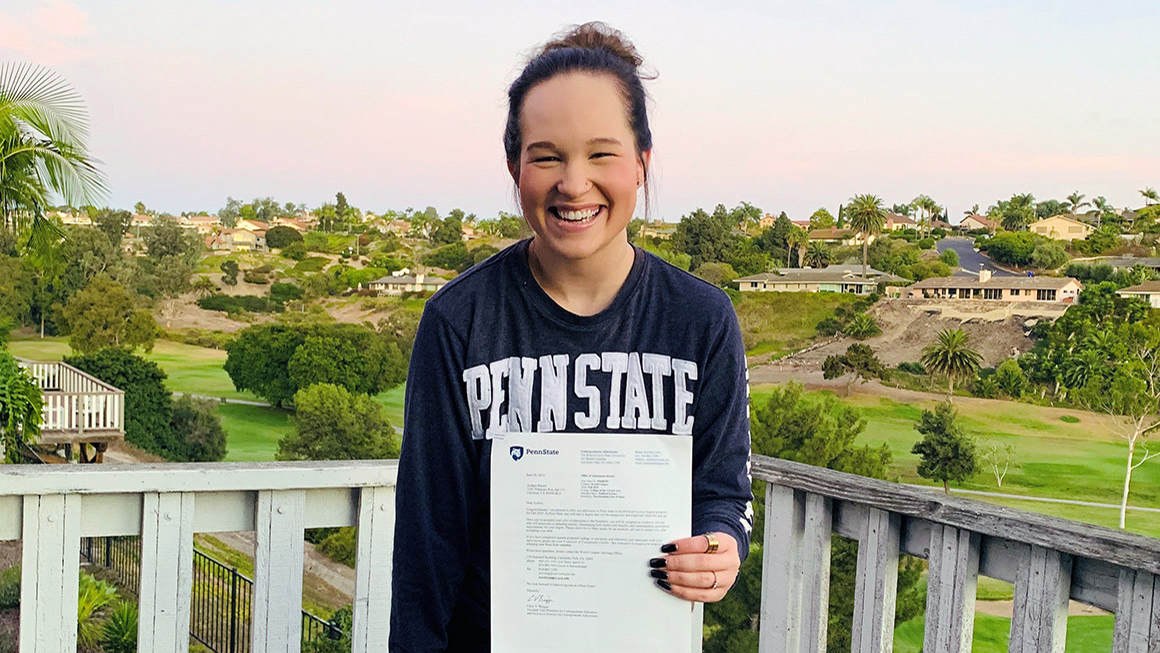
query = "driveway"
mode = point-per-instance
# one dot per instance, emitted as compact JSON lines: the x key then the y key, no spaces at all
{"x":969,"y":259}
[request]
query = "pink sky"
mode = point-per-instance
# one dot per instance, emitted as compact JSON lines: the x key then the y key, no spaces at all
{"x":784,"y":106}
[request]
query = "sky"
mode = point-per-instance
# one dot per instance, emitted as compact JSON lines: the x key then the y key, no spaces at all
{"x":790,"y":106}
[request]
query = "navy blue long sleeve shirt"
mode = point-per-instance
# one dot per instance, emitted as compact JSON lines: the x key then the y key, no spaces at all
{"x":494,"y":353}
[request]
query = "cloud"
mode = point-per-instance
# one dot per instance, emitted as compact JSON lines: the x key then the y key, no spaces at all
{"x":45,"y":33}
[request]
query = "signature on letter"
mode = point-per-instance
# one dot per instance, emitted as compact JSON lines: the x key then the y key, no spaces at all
{"x":540,"y":600}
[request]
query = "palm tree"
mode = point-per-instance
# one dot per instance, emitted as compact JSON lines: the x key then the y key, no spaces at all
{"x":43,"y":150}
{"x":798,"y":238}
{"x":952,"y":357}
{"x":1075,"y":200}
{"x":974,"y":210}
{"x":867,"y":217}
{"x":1102,"y":207}
{"x":1150,"y":196}
{"x":817,"y":254}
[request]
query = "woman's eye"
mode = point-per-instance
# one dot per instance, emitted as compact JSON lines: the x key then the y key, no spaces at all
{"x":602,"y":154}
{"x":543,"y":159}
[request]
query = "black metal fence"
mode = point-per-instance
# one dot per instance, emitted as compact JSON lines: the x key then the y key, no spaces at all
{"x":222,"y":598}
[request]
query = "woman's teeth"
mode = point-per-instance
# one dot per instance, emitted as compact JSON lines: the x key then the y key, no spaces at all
{"x":577,"y":216}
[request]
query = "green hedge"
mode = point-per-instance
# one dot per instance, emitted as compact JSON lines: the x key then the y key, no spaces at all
{"x":238,"y":303}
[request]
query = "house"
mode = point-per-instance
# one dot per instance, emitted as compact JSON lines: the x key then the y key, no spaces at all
{"x":834,"y":236}
{"x":1149,"y":291}
{"x":203,"y":224}
{"x":1008,"y":289}
{"x":1061,"y":227}
{"x":297,"y":224}
{"x":658,"y":229}
{"x":393,"y":285}
{"x":252,"y":225}
{"x":142,"y":220}
{"x":978,"y":222}
{"x":832,"y":278}
{"x":941,"y":224}
{"x":896,"y":222}
{"x":399,"y":227}
{"x":766,"y":221}
{"x":237,"y":240}
{"x":801,"y":224}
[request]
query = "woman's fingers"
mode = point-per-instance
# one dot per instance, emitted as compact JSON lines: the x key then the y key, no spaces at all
{"x":695,"y":585}
{"x":700,"y":544}
{"x":690,"y":572}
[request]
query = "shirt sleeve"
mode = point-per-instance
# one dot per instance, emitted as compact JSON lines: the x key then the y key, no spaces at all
{"x":435,"y":496}
{"x":722,"y":489}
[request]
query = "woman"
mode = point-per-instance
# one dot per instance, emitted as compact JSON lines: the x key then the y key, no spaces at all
{"x":573,"y":330}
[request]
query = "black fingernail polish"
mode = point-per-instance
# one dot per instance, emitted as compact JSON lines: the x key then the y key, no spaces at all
{"x":664,"y":584}
{"x":656,"y":563}
{"x":668,"y":548}
{"x":657,"y":573}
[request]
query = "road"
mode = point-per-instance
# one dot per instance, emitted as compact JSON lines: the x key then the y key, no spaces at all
{"x":969,"y":259}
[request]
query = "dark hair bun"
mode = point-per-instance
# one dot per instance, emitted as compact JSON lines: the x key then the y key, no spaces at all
{"x":595,"y":35}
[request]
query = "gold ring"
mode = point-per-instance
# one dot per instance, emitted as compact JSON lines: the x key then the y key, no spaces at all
{"x":713,"y":544}
{"x":714,"y":581}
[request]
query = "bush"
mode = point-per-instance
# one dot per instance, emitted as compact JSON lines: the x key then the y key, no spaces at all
{"x":284,"y":292}
{"x":255,"y":277}
{"x":295,"y":251}
{"x":93,"y":595}
{"x":201,"y":338}
{"x":233,"y":304}
{"x":1013,"y":248}
{"x":388,"y":263}
{"x":1048,"y":255}
{"x":312,"y":264}
{"x":341,"y":546}
{"x":1070,"y":419}
{"x":10,"y":587}
{"x":985,"y":387}
{"x":337,"y":637}
{"x":196,"y":425}
{"x":718,"y":274}
{"x":119,"y":633}
{"x":449,"y":257}
{"x":926,"y":243}
{"x":912,"y":367}
{"x":1010,"y":378}
{"x":950,"y":257}
{"x":279,"y":237}
{"x":316,"y":241}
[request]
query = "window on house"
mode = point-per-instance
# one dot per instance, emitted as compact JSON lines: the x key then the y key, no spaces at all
{"x":1045,"y":295}
{"x":992,"y":293}
{"x":1041,"y":230}
{"x":1014,"y":292}
{"x":1074,"y":230}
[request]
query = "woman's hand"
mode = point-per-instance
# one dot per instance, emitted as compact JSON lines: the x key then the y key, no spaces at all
{"x":691,"y":573}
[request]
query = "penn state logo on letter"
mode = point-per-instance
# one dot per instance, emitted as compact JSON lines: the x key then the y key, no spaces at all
{"x":517,"y":452}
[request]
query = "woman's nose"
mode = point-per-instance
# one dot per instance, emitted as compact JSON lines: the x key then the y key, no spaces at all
{"x":575,"y":180}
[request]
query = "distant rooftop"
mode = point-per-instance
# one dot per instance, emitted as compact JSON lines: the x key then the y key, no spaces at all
{"x":996,"y":282}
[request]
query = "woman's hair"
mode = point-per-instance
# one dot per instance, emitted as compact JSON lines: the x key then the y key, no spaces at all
{"x":592,"y":47}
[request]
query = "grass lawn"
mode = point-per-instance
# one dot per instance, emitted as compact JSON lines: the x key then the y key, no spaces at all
{"x":775,"y":323}
{"x":1084,"y":634}
{"x":253,"y":431}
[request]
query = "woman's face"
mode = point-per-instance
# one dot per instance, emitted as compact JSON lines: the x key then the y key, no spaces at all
{"x":578,"y":172}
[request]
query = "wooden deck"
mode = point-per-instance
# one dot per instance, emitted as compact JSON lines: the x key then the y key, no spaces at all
{"x":1049,"y":560}
{"x":78,"y":408}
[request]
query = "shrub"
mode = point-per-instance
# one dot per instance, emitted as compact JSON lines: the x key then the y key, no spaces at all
{"x":93,"y":596}
{"x":10,"y":587}
{"x":985,"y":387}
{"x":284,"y":292}
{"x":119,"y":633}
{"x":316,"y":241}
{"x":926,"y":243}
{"x":1010,"y":378}
{"x":337,"y":637}
{"x":388,"y":263}
{"x":449,"y":257}
{"x":950,"y":257}
{"x":255,"y":277}
{"x":233,"y":304}
{"x":311,"y":264}
{"x":912,"y":367}
{"x":862,"y":326}
{"x":196,"y":425}
{"x":201,"y":338}
{"x":1048,"y":255}
{"x":1070,"y":419}
{"x":341,"y":546}
{"x":296,"y":251}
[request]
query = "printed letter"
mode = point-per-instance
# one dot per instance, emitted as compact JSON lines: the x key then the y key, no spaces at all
{"x":591,"y":420}
{"x":498,"y":422}
{"x":635,"y":396}
{"x":617,"y":364}
{"x":683,"y":371}
{"x":478,"y":396}
{"x":553,"y":393}
{"x":657,"y":366}
{"x":521,"y":374}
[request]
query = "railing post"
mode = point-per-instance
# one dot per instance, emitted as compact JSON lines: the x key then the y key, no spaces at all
{"x":1137,"y":613}
{"x":278,"y":571}
{"x":876,"y":584}
{"x":372,"y":592}
{"x":165,"y":571}
{"x":233,"y":610}
{"x":49,"y":572}
{"x":795,"y":580}
{"x":1042,"y":591}
{"x":950,"y":595}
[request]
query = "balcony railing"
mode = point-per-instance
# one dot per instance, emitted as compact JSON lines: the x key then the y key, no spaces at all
{"x":78,"y":407}
{"x":1048,"y":560}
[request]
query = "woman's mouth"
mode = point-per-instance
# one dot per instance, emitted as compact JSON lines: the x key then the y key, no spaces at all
{"x":579,"y":216}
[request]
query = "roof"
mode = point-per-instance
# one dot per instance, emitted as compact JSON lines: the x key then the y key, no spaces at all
{"x":982,"y":219}
{"x":899,"y":218}
{"x":1146,"y":288}
{"x":1064,"y":217}
{"x":997,"y":282}
{"x":1122,"y":262}
{"x":831,"y":274}
{"x":833,"y":233}
{"x":409,"y":280}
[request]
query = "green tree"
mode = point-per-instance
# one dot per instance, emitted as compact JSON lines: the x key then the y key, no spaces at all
{"x":798,"y":239}
{"x":947,"y":453}
{"x":952,"y":357}
{"x":198,"y":429}
{"x":1048,"y":255}
{"x":718,"y":274}
{"x":113,"y":223}
{"x":1150,"y":196}
{"x":821,"y":219}
{"x":448,"y":230}
{"x":104,"y":315}
{"x":705,"y":237}
{"x":1075,"y":201}
{"x":279,"y":237}
{"x":1011,"y":379}
{"x":148,"y":404}
{"x":862,"y":326}
{"x":950,"y":257}
{"x":818,"y":254}
{"x":1018,"y":212}
{"x":21,"y":407}
{"x":859,"y":362}
{"x":331,"y":423}
{"x":866,"y":216}
{"x":449,"y":257}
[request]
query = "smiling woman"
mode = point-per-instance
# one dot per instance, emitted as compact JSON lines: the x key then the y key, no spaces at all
{"x":574,"y":330}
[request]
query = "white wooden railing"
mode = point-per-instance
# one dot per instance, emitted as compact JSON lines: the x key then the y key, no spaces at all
{"x":76,"y":402}
{"x":50,"y":508}
{"x":1049,"y":560}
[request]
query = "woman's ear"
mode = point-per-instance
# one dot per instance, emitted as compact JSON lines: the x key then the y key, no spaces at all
{"x":514,"y":171}
{"x":642,"y":165}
